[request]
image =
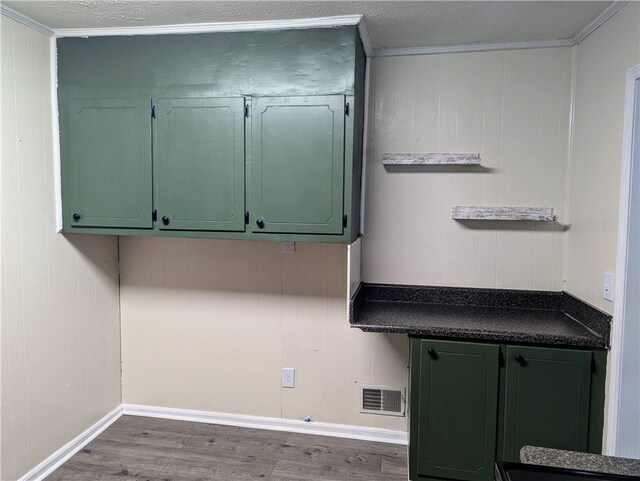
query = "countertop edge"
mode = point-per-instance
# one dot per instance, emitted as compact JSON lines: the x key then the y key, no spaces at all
{"x":475,"y":335}
{"x":579,"y":461}
{"x":589,"y":317}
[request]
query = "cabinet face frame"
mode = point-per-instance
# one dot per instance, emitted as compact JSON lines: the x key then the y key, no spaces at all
{"x":162,"y":168}
{"x":263,"y":222}
{"x":71,"y":176}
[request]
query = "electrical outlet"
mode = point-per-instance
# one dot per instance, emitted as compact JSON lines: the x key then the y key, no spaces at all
{"x":288,"y":377}
{"x":607,"y":286}
{"x":288,"y":247}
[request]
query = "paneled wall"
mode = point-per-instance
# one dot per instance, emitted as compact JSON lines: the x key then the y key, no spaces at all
{"x":510,"y":106}
{"x":208,"y":325}
{"x":59,"y":297}
{"x":603,"y":60}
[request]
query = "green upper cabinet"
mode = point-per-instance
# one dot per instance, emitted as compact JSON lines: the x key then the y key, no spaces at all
{"x":250,"y":136}
{"x":546,"y":399}
{"x":297,"y":164}
{"x":199,"y":158}
{"x":107,"y":173}
{"x":454,"y":406}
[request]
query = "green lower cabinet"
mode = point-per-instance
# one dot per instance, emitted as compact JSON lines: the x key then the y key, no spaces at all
{"x":200,"y":164}
{"x":297,"y":164}
{"x":473,"y":404}
{"x":107,"y":173}
{"x":546,"y":399}
{"x":454,"y":405}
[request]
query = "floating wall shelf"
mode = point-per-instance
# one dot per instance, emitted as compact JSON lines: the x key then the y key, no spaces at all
{"x":471,"y":212}
{"x":431,"y":158}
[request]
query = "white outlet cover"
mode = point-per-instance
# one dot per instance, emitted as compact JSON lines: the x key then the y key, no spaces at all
{"x":607,"y":286}
{"x":288,"y":247}
{"x":288,"y":377}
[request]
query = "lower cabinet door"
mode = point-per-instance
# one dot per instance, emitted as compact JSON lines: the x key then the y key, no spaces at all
{"x":546,"y":399}
{"x":454,"y":397}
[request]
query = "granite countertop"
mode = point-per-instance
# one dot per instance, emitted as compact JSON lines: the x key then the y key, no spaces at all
{"x":580,"y":461}
{"x":498,"y":315}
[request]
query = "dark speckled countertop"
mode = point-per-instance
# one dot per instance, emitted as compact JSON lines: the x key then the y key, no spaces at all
{"x":580,"y":461}
{"x":498,"y":315}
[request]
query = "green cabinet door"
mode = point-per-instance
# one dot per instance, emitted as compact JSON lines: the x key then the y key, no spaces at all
{"x":107,"y":163}
{"x":200,"y":164}
{"x":297,"y":164}
{"x":454,"y":403}
{"x":546,"y":399}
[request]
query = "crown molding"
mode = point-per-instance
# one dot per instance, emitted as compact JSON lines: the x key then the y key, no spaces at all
{"x":24,"y":20}
{"x":364,"y":37}
{"x":466,"y":48}
{"x":607,"y":13}
{"x":258,"y":25}
{"x":322,"y":22}
{"x":613,"y":8}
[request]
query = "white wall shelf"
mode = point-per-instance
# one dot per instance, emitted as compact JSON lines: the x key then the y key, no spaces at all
{"x":471,"y":212}
{"x":431,"y":158}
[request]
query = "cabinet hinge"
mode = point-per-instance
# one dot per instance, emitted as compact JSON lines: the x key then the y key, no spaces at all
{"x":346,"y":109}
{"x":344,"y":220}
{"x":153,"y":111}
{"x":246,"y":217}
{"x":154,"y":215}
{"x":246,"y":110}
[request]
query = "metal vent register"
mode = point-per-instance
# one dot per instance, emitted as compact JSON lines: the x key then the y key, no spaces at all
{"x":382,"y":400}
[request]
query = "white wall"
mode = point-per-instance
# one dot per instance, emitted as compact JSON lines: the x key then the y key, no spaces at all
{"x":628,"y":438}
{"x":59,"y":305}
{"x":510,"y":106}
{"x":208,"y":325}
{"x":602,"y":63}
{"x":603,"y":60}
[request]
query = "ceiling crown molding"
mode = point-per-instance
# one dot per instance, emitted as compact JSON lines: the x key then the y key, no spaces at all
{"x":322,"y":22}
{"x":24,"y":20}
{"x":472,"y":47}
{"x":242,"y":26}
{"x":364,"y":37}
{"x":607,"y":13}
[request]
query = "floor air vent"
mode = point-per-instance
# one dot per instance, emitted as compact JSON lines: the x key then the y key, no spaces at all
{"x":382,"y":400}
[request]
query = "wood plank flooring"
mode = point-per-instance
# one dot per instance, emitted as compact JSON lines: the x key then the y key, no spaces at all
{"x":165,"y":450}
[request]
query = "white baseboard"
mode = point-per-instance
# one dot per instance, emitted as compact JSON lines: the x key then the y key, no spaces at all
{"x":274,"y":424}
{"x":46,"y":467}
{"x":54,"y":461}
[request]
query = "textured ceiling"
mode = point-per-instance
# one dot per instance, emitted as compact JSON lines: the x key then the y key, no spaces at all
{"x":390,"y":23}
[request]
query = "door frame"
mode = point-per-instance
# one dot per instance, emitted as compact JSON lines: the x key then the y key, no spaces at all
{"x":617,"y":326}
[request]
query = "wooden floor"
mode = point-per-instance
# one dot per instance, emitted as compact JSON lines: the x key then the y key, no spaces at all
{"x":167,"y":450}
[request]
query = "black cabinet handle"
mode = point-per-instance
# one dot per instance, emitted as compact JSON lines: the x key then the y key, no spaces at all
{"x":521,"y":360}
{"x":76,"y":217}
{"x":432,"y":354}
{"x":260,"y":223}
{"x":165,"y":220}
